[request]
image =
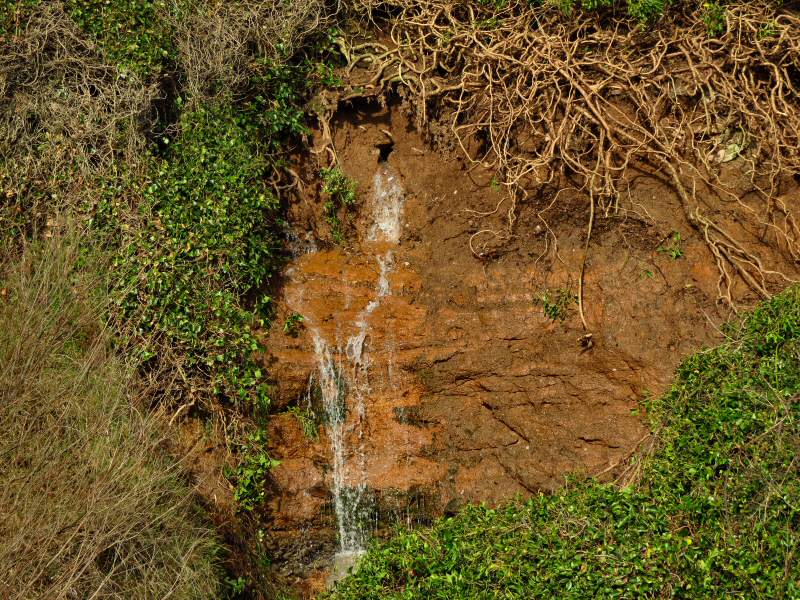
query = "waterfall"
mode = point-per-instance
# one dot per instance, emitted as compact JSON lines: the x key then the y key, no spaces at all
{"x":344,"y":380}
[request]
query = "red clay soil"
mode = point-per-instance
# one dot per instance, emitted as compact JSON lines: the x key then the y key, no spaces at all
{"x":475,"y":394}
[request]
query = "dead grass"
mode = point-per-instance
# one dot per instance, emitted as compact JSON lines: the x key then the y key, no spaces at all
{"x":90,"y":507}
{"x":220,"y":44}
{"x":65,"y":115}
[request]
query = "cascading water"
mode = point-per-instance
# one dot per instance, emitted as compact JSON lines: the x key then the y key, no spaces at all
{"x":344,"y":378}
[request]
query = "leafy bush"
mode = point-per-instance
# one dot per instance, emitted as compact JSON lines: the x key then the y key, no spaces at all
{"x":193,"y":271}
{"x":715,"y":515}
{"x":341,"y":191}
{"x":251,"y":474}
{"x":134,"y":34}
{"x":89,"y":504}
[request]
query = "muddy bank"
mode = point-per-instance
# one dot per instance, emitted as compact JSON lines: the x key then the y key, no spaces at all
{"x":472,"y":394}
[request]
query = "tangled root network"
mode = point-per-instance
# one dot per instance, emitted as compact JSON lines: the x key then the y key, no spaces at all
{"x":545,"y":99}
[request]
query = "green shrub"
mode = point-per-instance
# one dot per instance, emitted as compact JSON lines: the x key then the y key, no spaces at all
{"x":341,"y":191}
{"x":250,"y":476}
{"x":715,"y":514}
{"x":192,"y":272}
{"x":134,"y":34}
{"x":646,"y":11}
{"x":714,"y":18}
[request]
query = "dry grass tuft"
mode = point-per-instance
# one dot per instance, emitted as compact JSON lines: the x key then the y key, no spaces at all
{"x":89,"y":505}
{"x":65,"y":116}
{"x":218,"y":42}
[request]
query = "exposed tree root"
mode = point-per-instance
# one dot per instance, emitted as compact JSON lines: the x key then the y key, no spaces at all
{"x":542,"y":100}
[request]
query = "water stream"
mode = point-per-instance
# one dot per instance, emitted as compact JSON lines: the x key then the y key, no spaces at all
{"x":344,"y":378}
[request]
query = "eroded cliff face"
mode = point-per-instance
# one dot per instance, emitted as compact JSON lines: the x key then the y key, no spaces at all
{"x":464,"y":390}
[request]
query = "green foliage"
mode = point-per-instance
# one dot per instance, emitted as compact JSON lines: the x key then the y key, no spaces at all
{"x":646,"y":11}
{"x":714,"y":18}
{"x":557,"y":303}
{"x":595,"y":4}
{"x":292,"y":324}
{"x":341,"y":191}
{"x":768,"y":30}
{"x":498,"y":4}
{"x":307,"y":420}
{"x":716,"y":514}
{"x":132,"y":33}
{"x":643,"y":11}
{"x":675,"y":247}
{"x":234,"y":587}
{"x":13,"y":14}
{"x":250,"y":476}
{"x":193,"y":271}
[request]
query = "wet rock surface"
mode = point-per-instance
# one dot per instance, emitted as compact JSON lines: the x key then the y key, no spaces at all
{"x":472,"y":393}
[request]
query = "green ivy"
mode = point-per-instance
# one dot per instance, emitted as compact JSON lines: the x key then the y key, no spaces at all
{"x":194,"y":271}
{"x":134,"y":34}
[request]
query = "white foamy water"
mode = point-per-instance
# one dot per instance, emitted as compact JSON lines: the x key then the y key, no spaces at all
{"x":387,"y":208}
{"x":344,"y":379}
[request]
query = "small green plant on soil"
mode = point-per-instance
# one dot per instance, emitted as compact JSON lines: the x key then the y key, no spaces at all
{"x":498,"y":4}
{"x":250,"y":476}
{"x":234,"y":588}
{"x":307,"y":420}
{"x":675,"y":247}
{"x":487,"y":24}
{"x":293,"y":324}
{"x":556,"y":304}
{"x":768,"y":30}
{"x":714,"y":18}
{"x":341,"y":191}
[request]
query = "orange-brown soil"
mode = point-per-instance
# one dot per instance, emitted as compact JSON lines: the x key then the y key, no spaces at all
{"x":474,"y":394}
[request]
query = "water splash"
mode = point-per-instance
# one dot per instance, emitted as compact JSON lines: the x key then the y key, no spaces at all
{"x":387,"y":208}
{"x":344,"y":379}
{"x":348,"y":504}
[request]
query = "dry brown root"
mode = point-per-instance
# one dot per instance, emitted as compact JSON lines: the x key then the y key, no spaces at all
{"x":542,"y":99}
